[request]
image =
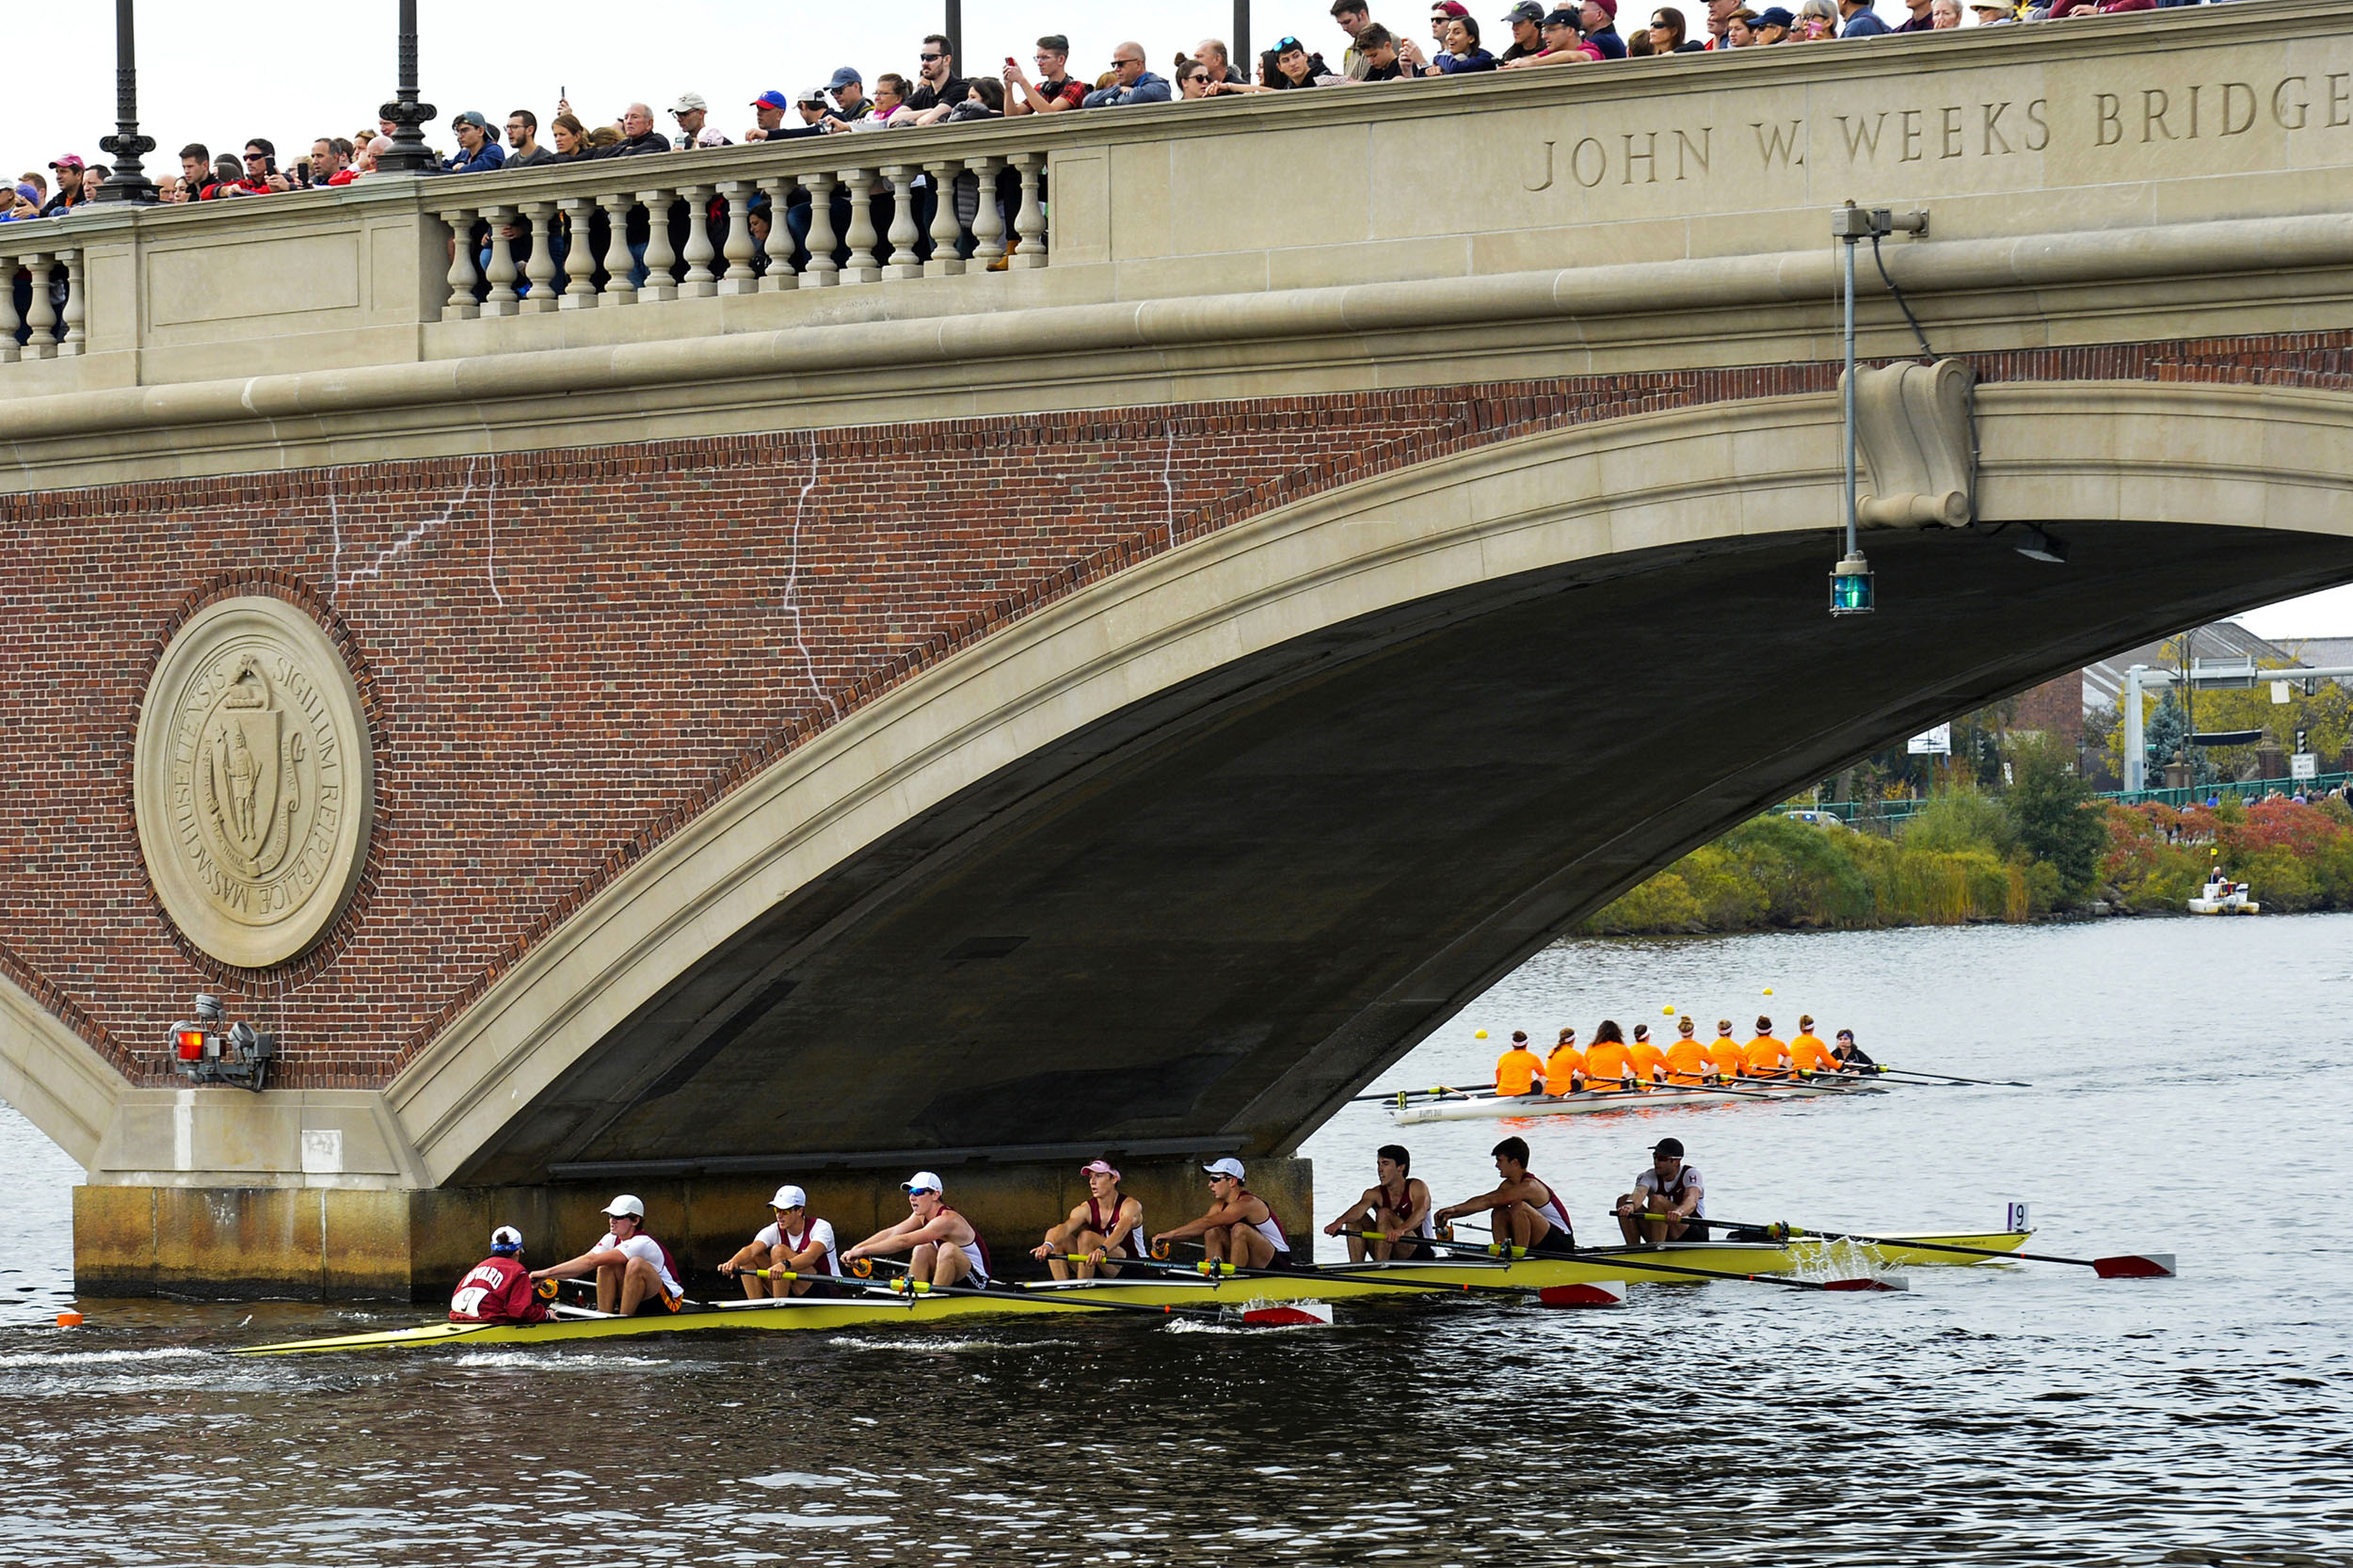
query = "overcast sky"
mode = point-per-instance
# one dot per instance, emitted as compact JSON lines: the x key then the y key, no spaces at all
{"x":221,"y":74}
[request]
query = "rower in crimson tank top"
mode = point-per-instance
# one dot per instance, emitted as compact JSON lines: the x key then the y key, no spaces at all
{"x":1527,"y":1213}
{"x":1239,"y":1228}
{"x":1107,"y":1225}
{"x":942,"y":1247}
{"x":1395,"y":1203}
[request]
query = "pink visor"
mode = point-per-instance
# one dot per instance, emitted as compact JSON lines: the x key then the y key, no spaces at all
{"x":1098,"y":1167}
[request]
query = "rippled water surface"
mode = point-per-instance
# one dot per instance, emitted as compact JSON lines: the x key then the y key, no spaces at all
{"x":2187,"y":1097}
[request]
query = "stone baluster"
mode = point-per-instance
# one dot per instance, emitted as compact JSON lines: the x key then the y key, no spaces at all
{"x":9,"y":351}
{"x":701,"y":282}
{"x":618,"y":265}
{"x":988,"y":219}
{"x":580,"y":262}
{"x":73,"y":340}
{"x":865,"y":266}
{"x":822,"y":272}
{"x":1030,"y":223}
{"x":780,"y":274}
{"x":904,"y":234}
{"x":40,"y":314}
{"x":740,"y":277}
{"x":541,"y":268}
{"x":947,"y":228}
{"x":502,"y":299}
{"x":461,"y":306}
{"x":661,"y":256}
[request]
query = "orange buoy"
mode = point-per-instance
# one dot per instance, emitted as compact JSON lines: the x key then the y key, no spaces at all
{"x":69,"y":1319}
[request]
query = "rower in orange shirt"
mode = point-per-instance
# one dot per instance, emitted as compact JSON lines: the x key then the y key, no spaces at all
{"x":1765,"y":1057}
{"x":1807,"y":1053}
{"x":1649,"y":1063}
{"x":1686,"y":1059}
{"x":1723,"y":1052}
{"x":1564,"y":1070}
{"x":1607,"y":1064}
{"x":1519,"y":1070}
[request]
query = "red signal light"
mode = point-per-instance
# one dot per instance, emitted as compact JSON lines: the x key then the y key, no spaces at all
{"x":191,"y":1042}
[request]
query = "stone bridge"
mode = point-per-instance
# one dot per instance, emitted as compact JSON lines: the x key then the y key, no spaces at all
{"x":801,"y":719}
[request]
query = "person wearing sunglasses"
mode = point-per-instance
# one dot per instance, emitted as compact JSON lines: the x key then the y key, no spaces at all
{"x":1463,"y":53}
{"x":941,"y":1245}
{"x":1193,"y":80}
{"x":936,"y":79}
{"x":1131,"y":83}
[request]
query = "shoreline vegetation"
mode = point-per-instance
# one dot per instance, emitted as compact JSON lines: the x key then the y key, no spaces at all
{"x":2040,"y":848}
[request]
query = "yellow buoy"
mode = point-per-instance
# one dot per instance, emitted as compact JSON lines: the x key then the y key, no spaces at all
{"x":1768,"y":990}
{"x":1667,"y":1011}
{"x":1480,"y":1035}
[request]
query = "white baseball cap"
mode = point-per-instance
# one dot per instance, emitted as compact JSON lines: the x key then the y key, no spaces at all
{"x":508,"y":1238}
{"x":788,"y":1198}
{"x":1229,"y":1166}
{"x":687,"y":102}
{"x":626,"y":1204}
{"x":922,"y":1181}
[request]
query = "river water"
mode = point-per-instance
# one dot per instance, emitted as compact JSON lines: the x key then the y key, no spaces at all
{"x":2183,"y":1100}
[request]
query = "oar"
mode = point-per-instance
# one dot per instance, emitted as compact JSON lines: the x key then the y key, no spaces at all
{"x":1234,"y":1271}
{"x":1436,"y":1091}
{"x":546,"y":1290}
{"x":2123,"y":1266}
{"x":912,"y":1288}
{"x":1947,"y":1077}
{"x":1616,"y":1259}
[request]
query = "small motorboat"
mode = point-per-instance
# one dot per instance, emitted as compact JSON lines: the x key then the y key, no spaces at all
{"x":2223,"y":896}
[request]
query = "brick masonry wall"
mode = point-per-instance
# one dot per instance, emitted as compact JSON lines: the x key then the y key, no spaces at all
{"x":566,"y":655}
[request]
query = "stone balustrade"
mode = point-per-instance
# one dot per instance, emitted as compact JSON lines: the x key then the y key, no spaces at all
{"x":42,"y":306}
{"x":620,"y":234}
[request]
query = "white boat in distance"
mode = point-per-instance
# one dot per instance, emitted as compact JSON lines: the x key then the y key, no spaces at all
{"x":2223,"y":896}
{"x":1470,"y":1107}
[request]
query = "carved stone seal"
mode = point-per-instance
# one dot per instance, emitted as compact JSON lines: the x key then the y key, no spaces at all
{"x":252,"y":782}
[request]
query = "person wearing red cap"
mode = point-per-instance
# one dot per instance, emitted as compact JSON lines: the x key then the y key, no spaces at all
{"x":70,"y":193}
{"x":1599,"y":20}
{"x":1395,"y":1209}
{"x":1106,"y":1226}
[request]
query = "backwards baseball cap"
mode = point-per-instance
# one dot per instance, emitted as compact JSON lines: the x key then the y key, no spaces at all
{"x":1452,"y":9}
{"x":788,"y":1198}
{"x":70,"y":160}
{"x":688,"y":103}
{"x":812,"y":95}
{"x":922,"y":1181}
{"x":470,"y":117}
{"x":1229,"y":1166}
{"x":627,"y":1205}
{"x":845,"y":78}
{"x":772,"y":98}
{"x":1670,"y":1148}
{"x":506,"y":1238}
{"x":1527,"y":11}
{"x":1098,"y":1167}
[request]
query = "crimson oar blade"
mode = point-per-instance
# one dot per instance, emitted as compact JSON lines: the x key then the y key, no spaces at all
{"x":2155,"y":1265}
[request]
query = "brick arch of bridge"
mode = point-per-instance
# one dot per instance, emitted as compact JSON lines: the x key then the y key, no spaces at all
{"x":624,"y":779}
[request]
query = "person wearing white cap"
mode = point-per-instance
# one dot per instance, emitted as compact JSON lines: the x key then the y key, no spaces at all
{"x":794,"y":1243}
{"x":498,"y":1288}
{"x":1239,"y":1228}
{"x":1097,"y":1231}
{"x":635,"y":1272}
{"x":693,"y":128}
{"x":941,"y":1245}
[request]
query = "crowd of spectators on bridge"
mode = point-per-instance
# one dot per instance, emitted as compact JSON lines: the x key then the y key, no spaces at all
{"x":1531,"y":35}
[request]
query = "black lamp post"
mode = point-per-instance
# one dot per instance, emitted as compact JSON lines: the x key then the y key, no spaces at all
{"x":408,"y":153}
{"x":952,"y":24}
{"x":1241,"y":59}
{"x":129,"y":181}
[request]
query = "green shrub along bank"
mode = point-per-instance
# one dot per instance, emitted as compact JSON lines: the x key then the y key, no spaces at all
{"x":2041,"y":846}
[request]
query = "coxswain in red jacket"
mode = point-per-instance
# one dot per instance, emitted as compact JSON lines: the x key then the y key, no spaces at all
{"x":498,"y":1290}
